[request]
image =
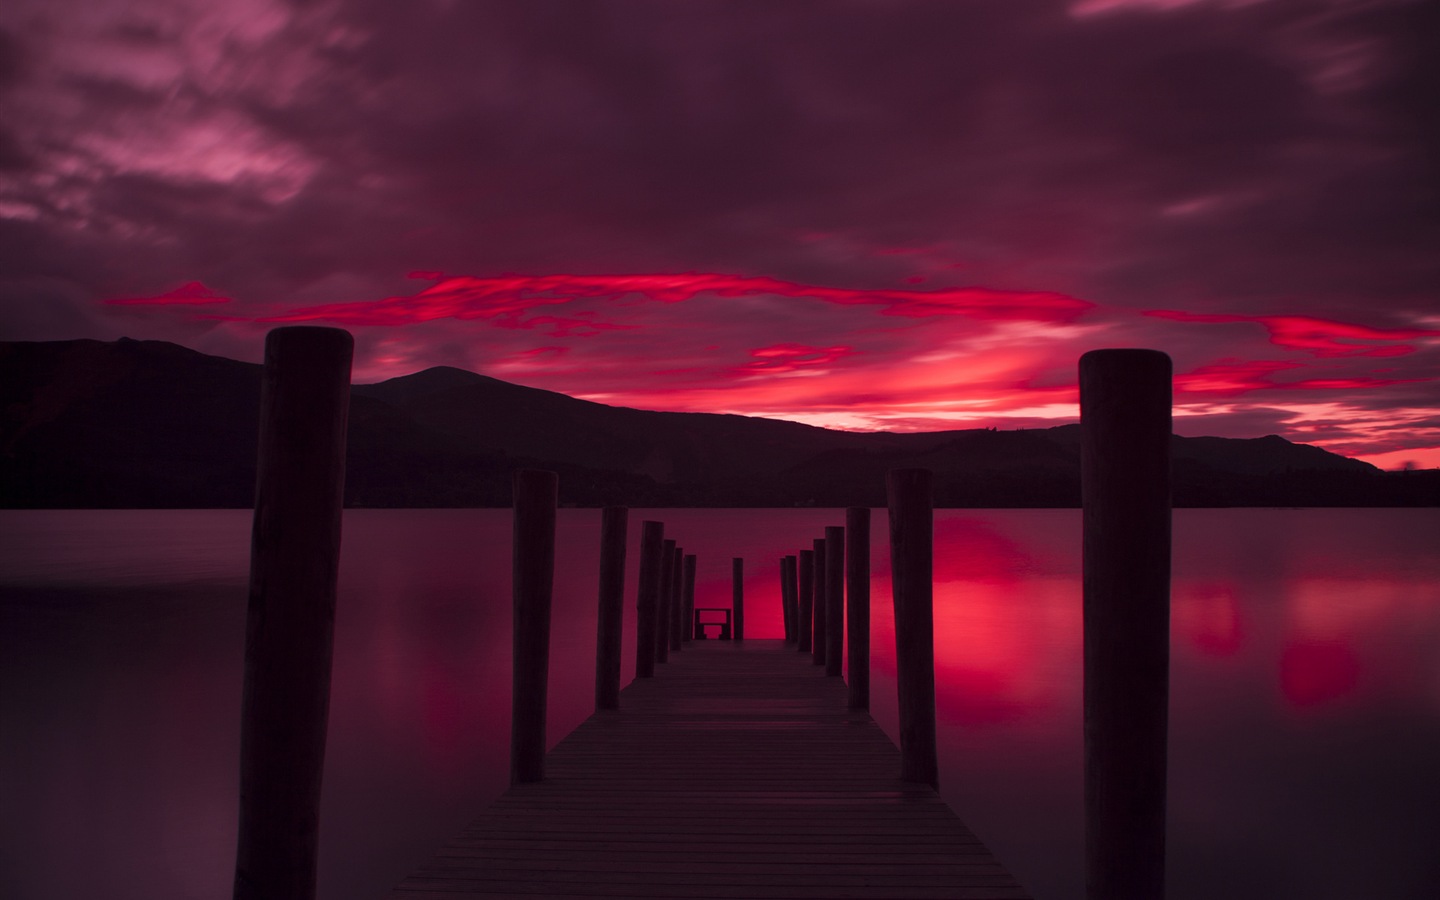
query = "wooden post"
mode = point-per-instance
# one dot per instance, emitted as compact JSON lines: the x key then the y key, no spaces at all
{"x":689,"y":630}
{"x":647,"y":599}
{"x":737,"y":596}
{"x":834,"y":600}
{"x":820,"y":608}
{"x":807,"y":600}
{"x":857,"y":600}
{"x":613,"y":523}
{"x":792,"y":596}
{"x":786,"y":613}
{"x":912,"y":535}
{"x":677,"y":598}
{"x":663,"y":601}
{"x":1125,"y":485}
{"x":289,"y":628}
{"x":534,"y":578}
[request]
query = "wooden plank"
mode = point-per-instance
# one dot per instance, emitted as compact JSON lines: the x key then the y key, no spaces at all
{"x":737,"y":771}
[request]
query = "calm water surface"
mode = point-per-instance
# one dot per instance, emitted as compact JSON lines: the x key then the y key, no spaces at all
{"x":1305,"y":712}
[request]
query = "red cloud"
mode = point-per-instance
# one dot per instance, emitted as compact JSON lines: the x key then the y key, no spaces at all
{"x":191,"y":293}
{"x":1322,"y":337}
{"x":983,"y":303}
{"x":1230,"y":378}
{"x":562,"y":326}
{"x":779,"y":358}
{"x":508,"y":297}
{"x":541,"y":352}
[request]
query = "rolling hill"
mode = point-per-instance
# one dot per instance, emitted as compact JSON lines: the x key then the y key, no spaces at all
{"x":133,"y":424}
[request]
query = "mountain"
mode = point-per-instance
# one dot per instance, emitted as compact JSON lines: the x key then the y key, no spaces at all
{"x":151,"y":424}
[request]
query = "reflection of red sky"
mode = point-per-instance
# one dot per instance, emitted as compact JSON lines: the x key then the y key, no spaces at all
{"x":1207,"y":615}
{"x":419,"y":682}
{"x":1330,"y":627}
{"x":444,"y":714}
{"x":988,"y":670}
{"x":970,"y":550}
{"x":1342,"y":610}
{"x":991,"y":665}
{"x":763,"y":616}
{"x":994,"y":664}
{"x":1316,"y":672}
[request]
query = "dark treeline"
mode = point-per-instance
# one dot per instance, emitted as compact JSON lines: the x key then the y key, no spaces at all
{"x":146,"y":424}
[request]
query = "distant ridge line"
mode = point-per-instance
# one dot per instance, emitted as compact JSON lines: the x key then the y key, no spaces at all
{"x":150,"y":424}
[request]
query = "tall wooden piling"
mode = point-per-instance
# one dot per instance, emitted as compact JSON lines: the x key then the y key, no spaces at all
{"x":787,"y":614}
{"x":1125,"y":399}
{"x":737,"y":596}
{"x":688,"y":632}
{"x":857,"y":604}
{"x":834,"y":600}
{"x":677,"y":598}
{"x":663,"y":601}
{"x":912,"y":535}
{"x":534,"y":577}
{"x":784,"y":613}
{"x":793,"y":596}
{"x":647,"y":598}
{"x":806,"y":608}
{"x":820,"y":608}
{"x":613,"y":523}
{"x":289,"y":629}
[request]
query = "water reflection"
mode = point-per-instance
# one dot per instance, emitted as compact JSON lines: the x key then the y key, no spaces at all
{"x":1305,"y":695}
{"x":1205,"y":616}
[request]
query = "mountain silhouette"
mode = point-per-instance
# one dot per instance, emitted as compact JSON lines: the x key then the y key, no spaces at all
{"x":136,"y":424}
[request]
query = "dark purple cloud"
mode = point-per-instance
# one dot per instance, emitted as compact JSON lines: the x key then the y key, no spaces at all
{"x":1261,"y":169}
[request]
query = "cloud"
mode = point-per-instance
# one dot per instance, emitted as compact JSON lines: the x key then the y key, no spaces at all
{"x":507,"y":298}
{"x":961,"y":197}
{"x":1231,"y":378}
{"x":189,"y":294}
{"x":1319,"y":337}
{"x":792,"y":358}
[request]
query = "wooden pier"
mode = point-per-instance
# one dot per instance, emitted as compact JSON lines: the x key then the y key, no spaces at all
{"x":737,"y":771}
{"x":734,"y":768}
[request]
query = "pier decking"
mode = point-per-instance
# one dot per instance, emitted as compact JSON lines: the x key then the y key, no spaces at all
{"x":737,"y":771}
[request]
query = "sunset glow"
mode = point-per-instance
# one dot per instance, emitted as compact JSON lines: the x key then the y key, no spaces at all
{"x":891,"y":359}
{"x":905,"y":216}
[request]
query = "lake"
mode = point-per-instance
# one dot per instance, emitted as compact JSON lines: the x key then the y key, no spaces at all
{"x":1305,"y":695}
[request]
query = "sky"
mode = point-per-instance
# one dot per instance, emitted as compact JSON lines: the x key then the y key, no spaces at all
{"x":863,"y":214}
